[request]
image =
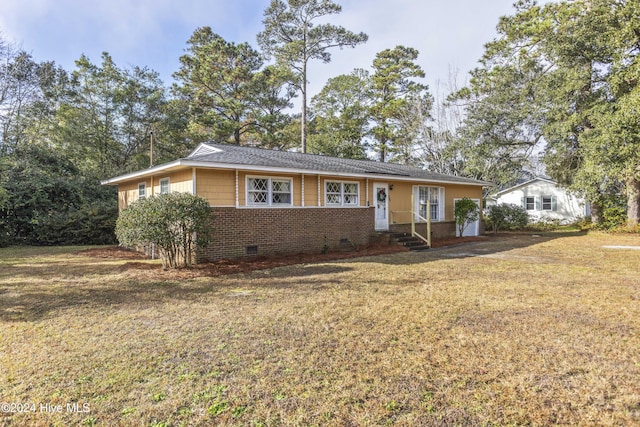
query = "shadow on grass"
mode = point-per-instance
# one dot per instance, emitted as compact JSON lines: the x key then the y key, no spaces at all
{"x":23,"y":299}
{"x":36,"y":305}
{"x":493,"y":244}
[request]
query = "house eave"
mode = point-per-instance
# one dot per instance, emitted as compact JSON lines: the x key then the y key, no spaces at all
{"x":270,"y":169}
{"x":144,"y":172}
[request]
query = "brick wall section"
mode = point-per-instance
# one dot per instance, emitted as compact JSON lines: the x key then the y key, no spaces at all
{"x":285,"y":230}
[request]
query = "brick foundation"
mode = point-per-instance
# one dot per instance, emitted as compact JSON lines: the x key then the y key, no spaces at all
{"x":241,"y":233}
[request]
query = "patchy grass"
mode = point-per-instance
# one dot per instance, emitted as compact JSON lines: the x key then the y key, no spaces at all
{"x":514,"y":330}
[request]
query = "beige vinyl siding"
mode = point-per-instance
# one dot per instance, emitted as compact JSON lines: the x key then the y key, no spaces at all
{"x":399,"y":201}
{"x":217,"y":186}
{"x":179,"y":182}
{"x":453,"y":192}
{"x":400,"y":198}
{"x":311,"y":190}
{"x":127,"y":194}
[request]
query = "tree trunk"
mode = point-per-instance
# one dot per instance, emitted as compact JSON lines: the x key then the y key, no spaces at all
{"x":633,"y":200}
{"x":383,"y":149}
{"x":303,"y":119}
{"x":596,"y":212}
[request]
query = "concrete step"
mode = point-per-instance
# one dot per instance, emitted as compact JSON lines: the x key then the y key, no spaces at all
{"x":411,"y":242}
{"x":407,"y":240}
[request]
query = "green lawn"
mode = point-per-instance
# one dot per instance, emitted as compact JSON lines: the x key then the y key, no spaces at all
{"x":517,"y":330}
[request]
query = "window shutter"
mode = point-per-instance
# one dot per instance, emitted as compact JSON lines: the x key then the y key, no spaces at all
{"x":441,"y":204}
{"x":554,"y":203}
{"x":538,"y":203}
{"x":523,"y":202}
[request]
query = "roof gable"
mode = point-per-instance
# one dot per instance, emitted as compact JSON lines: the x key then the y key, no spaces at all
{"x":202,"y":150}
{"x":525,"y":184}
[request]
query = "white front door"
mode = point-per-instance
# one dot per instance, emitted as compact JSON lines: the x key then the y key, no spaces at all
{"x":381,"y":200}
{"x":472,"y":229}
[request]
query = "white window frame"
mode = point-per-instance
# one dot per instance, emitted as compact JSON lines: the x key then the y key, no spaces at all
{"x":436,"y":208}
{"x":552,"y":203}
{"x":342,"y":194}
{"x":526,"y":203}
{"x":162,"y":182}
{"x":535,"y":205}
{"x":269,"y":202}
{"x":142,"y":190}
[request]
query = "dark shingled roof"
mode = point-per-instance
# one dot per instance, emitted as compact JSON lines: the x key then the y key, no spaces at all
{"x":250,"y":156}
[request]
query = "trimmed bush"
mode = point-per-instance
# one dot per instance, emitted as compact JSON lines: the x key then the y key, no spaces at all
{"x":465,"y":212}
{"x":506,"y":217}
{"x":177,"y":223}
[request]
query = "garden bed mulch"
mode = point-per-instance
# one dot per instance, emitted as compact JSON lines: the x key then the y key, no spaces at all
{"x":243,"y":265}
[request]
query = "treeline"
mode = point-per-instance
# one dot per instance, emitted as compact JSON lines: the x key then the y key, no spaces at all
{"x":62,"y":131}
{"x":556,"y":92}
{"x":563,"y":80}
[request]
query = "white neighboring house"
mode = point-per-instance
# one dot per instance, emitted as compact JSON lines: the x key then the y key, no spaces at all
{"x":544,"y":199}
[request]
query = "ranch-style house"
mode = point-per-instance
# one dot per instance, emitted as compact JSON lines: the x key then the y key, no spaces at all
{"x":266,"y":202}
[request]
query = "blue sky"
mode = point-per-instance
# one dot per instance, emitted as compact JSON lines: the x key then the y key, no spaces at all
{"x":153,"y":33}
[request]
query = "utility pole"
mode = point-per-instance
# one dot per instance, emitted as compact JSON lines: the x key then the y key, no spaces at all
{"x":151,"y":151}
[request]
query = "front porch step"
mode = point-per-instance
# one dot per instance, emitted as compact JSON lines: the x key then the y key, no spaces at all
{"x":410,"y":242}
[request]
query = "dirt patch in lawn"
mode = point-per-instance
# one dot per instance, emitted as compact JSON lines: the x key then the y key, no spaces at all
{"x":244,"y":265}
{"x":113,"y":252}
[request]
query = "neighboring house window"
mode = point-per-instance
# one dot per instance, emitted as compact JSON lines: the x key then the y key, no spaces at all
{"x":549,"y":203}
{"x":341,"y":193}
{"x":435,"y":197}
{"x":269,"y":191}
{"x":540,"y":203}
{"x":530,"y":203}
{"x":164,"y":186}
{"x":142,"y":190}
